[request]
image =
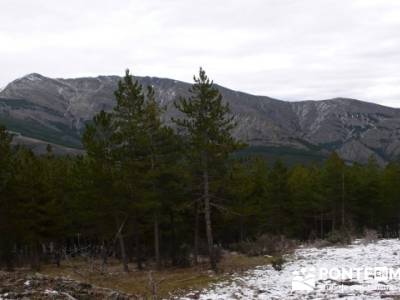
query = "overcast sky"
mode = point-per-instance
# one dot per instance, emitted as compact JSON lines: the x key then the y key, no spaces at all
{"x":287,"y":49}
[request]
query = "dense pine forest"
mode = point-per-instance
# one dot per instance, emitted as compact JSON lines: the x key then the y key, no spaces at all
{"x":165,"y":192}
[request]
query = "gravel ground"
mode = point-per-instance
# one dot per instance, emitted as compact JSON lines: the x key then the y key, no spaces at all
{"x":19,"y":285}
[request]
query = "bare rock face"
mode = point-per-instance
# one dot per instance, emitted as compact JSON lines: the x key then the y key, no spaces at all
{"x":356,"y":151}
{"x":56,"y":111}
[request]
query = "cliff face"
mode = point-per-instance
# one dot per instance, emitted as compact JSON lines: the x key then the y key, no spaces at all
{"x":56,"y":110}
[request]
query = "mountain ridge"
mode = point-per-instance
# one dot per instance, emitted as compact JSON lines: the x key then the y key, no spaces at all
{"x":56,"y":110}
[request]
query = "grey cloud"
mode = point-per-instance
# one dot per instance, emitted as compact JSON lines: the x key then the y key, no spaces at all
{"x":288,"y":49}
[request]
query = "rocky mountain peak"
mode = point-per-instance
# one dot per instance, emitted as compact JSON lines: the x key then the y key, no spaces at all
{"x":33,"y":77}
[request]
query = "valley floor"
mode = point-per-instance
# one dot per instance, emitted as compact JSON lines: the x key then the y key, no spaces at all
{"x":358,"y":271}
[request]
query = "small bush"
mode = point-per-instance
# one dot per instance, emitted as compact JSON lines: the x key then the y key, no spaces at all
{"x":266,"y":244}
{"x":277,"y":263}
{"x":320,"y":243}
{"x":370,"y":236}
{"x":217,"y":253}
{"x":342,"y":237}
{"x":183,"y":255}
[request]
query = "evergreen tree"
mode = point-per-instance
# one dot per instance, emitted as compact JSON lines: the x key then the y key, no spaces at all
{"x":333,"y":176}
{"x":305,"y":203}
{"x":389,"y":204}
{"x":140,"y":186}
{"x":363,"y":194}
{"x":100,"y":141}
{"x":208,"y":126}
{"x":278,"y":205}
{"x":244,"y":210}
{"x":7,"y":205}
{"x":133,"y":144}
{"x":161,"y":145}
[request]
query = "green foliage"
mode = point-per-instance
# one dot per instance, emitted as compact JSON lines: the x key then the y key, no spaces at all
{"x":207,"y":122}
{"x":339,"y":237}
{"x":58,"y":133}
{"x":140,"y":187}
{"x":5,"y":156}
{"x":207,"y":126}
{"x":290,"y":156}
{"x":7,"y":211}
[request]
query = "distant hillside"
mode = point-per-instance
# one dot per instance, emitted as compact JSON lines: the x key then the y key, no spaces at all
{"x":56,"y":110}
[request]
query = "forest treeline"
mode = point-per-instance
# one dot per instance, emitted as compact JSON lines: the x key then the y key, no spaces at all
{"x":146,"y":192}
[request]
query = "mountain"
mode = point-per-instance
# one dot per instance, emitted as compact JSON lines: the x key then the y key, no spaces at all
{"x":53,"y":110}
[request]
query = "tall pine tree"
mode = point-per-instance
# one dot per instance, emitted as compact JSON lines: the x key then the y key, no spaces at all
{"x":208,"y":126}
{"x":7,"y":205}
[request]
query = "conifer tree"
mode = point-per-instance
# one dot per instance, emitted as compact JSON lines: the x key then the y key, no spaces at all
{"x":133,"y":138}
{"x":7,"y":205}
{"x":305,"y":202}
{"x":333,"y":180}
{"x":100,"y":141}
{"x":208,"y":124}
{"x":135,"y":144}
{"x":278,"y":205}
{"x":161,"y":144}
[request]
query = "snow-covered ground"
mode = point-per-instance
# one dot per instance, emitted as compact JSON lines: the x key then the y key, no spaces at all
{"x":358,"y":271}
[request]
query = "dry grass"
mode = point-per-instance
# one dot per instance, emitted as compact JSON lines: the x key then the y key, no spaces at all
{"x":170,"y":282}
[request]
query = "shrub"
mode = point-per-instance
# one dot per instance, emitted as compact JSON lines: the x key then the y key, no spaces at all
{"x":342,"y":237}
{"x":183,"y":255}
{"x":277,"y":263}
{"x":266,"y":244}
{"x":370,"y":236}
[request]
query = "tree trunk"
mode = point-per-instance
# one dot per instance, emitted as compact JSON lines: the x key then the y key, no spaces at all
{"x":138,"y":252}
{"x":322,"y":226}
{"x":156,"y":225}
{"x":196,"y":235}
{"x":241,"y":230}
{"x":57,"y":254}
{"x":6,"y":255}
{"x":35,"y":257}
{"x":173,"y":241}
{"x":343,"y":208}
{"x":207,"y":217}
{"x":123,"y":252}
{"x":157,"y":242}
{"x":104,"y":256}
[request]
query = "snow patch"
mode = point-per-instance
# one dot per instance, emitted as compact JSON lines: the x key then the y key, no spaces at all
{"x":266,"y":283}
{"x":50,"y":292}
{"x":33,"y":77}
